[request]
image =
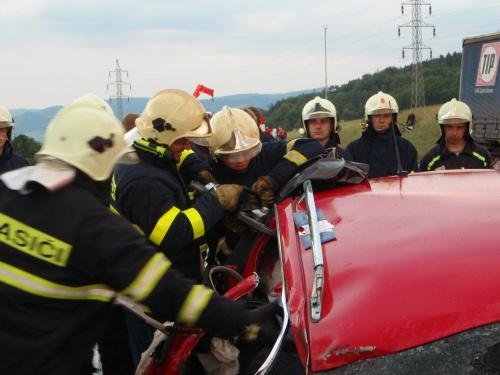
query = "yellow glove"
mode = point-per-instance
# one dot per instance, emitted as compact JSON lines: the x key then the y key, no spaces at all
{"x":228,"y":196}
{"x":265,"y":186}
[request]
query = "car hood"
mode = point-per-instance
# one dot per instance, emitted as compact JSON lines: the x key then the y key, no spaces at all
{"x":416,"y":259}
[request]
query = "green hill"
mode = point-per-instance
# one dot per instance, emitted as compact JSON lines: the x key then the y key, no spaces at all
{"x":441,"y":78}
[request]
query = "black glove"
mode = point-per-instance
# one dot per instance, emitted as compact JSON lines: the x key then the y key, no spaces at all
{"x":262,"y":324}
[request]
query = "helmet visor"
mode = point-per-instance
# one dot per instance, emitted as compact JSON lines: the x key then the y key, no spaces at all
{"x":240,"y":156}
{"x":237,"y":142}
{"x":381,"y":111}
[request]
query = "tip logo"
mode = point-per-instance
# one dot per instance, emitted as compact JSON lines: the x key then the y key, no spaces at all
{"x":488,"y":64}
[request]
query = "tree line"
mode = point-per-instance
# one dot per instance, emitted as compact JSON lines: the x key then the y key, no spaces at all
{"x":441,"y":81}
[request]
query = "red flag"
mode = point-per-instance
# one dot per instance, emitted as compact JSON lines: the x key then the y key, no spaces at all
{"x":203,"y":89}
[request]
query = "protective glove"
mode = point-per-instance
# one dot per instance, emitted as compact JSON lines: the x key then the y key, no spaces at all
{"x":265,"y":186}
{"x":262,"y":324}
{"x":228,"y":196}
{"x":233,"y":224}
{"x":205,"y":176}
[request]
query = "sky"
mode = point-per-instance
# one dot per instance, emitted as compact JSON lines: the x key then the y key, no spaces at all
{"x":53,"y":51}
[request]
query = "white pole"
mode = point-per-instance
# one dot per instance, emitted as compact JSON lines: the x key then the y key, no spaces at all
{"x":326,"y":73}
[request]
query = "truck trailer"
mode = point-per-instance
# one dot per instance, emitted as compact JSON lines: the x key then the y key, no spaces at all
{"x":480,"y":88}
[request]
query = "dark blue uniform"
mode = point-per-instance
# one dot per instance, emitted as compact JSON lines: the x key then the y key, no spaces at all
{"x":334,"y":141}
{"x":153,"y":196}
{"x":473,"y":156}
{"x":63,"y":258}
{"x":9,"y":160}
{"x":377,"y":150}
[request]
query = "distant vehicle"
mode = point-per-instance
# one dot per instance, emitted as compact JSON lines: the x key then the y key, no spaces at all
{"x":480,"y":87}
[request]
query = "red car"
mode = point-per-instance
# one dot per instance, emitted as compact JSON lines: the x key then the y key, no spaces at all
{"x":409,"y":285}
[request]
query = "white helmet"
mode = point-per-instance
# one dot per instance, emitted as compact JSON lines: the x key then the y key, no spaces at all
{"x":172,"y":114}
{"x":94,"y":101}
{"x":6,"y":120}
{"x":318,"y":108}
{"x":454,"y":110}
{"x":87,"y":137}
{"x":235,"y":135}
{"x":380,"y":103}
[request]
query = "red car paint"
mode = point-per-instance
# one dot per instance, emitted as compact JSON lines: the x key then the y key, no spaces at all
{"x":416,"y":259}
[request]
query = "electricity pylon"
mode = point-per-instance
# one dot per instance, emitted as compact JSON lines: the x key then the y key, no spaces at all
{"x":416,"y":24}
{"x":119,"y":83}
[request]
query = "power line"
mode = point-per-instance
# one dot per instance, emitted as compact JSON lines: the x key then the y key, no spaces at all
{"x":119,"y":83}
{"x":416,"y":24}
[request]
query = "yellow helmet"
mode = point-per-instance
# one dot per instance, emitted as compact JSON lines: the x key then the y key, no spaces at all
{"x":380,"y":103}
{"x":172,"y":114}
{"x":318,"y":108}
{"x":87,"y":137}
{"x":94,"y":101}
{"x":6,"y":120}
{"x":235,"y":135}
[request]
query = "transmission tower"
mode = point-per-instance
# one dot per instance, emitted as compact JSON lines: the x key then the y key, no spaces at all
{"x":119,"y":83}
{"x":416,"y":24}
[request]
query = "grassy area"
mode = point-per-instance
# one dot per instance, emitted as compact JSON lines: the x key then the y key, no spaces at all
{"x":423,"y":136}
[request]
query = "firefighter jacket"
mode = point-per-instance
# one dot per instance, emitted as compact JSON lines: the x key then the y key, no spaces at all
{"x":334,"y":141}
{"x":9,"y":160}
{"x":153,"y":196}
{"x":63,"y":258}
{"x":278,"y":160}
{"x":474,"y":156}
{"x":377,"y":150}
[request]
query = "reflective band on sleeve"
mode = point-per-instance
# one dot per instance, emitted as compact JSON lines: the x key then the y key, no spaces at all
{"x":163,"y":225}
{"x":148,"y":277}
{"x":196,"y":221}
{"x":480,"y":157}
{"x":295,"y":157}
{"x":36,"y":285}
{"x":432,"y":162}
{"x":194,"y":304}
{"x":31,"y":241}
{"x":184,"y":154}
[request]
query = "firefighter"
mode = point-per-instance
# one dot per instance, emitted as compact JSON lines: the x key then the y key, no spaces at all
{"x":8,"y":160}
{"x":65,"y":257}
{"x":240,"y":157}
{"x":456,"y":149}
{"x":376,"y":145}
{"x":153,"y":195}
{"x":319,"y":121}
